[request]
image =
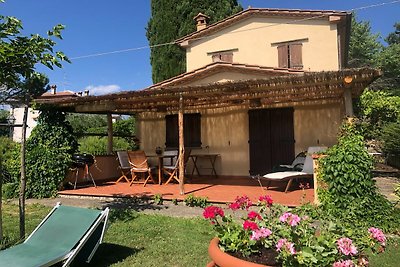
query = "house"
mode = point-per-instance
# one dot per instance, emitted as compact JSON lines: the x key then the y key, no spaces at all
{"x":254,"y":44}
{"x":260,"y":87}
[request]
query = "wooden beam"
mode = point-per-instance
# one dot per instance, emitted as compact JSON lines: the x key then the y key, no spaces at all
{"x":109,"y":134}
{"x":181,"y":148}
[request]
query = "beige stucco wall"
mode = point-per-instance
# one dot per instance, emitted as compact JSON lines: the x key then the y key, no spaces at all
{"x":317,"y":125}
{"x":253,"y":37}
{"x":18,"y":114}
{"x":226,"y":132}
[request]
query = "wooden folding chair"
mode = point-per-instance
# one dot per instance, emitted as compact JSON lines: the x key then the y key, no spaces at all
{"x":173,"y":171}
{"x":124,"y":166}
{"x":139,"y":165}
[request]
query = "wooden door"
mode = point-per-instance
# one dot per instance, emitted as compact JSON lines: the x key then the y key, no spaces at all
{"x":271,"y":140}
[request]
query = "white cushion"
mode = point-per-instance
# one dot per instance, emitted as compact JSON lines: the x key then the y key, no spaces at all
{"x":283,"y":175}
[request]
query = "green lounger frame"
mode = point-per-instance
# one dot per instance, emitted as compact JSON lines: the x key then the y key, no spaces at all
{"x":65,"y":234}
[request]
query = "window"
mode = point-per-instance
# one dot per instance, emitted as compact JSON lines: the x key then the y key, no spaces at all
{"x":226,"y":57}
{"x":222,"y":55}
{"x":290,"y":55}
{"x":191,"y":130}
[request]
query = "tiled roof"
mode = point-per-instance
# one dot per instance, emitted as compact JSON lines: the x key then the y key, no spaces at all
{"x":267,"y":12}
{"x":62,"y":94}
{"x":221,"y":66}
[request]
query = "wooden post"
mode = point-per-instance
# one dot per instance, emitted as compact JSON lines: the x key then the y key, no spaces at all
{"x":315,"y":178}
{"x":109,"y":134}
{"x":181,"y":148}
{"x":348,"y":102}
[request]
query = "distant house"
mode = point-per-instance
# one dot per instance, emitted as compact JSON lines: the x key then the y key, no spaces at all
{"x":260,"y":87}
{"x":18,"y":112}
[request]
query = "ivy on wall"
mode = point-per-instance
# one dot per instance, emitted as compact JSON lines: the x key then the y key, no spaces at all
{"x":349,"y":190}
{"x":49,"y":151}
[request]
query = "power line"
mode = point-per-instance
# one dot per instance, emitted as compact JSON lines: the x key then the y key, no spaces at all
{"x":210,"y":36}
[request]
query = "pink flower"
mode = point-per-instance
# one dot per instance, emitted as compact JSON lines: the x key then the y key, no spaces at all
{"x":212,"y":211}
{"x":266,"y":199}
{"x":261,"y":233}
{"x":254,"y":215}
{"x":346,"y":247}
{"x":234,"y":206}
{"x":243,"y":202}
{"x":249,"y":225}
{"x":346,"y":263}
{"x":291,"y":219}
{"x":288,"y":246}
{"x":378,"y":235}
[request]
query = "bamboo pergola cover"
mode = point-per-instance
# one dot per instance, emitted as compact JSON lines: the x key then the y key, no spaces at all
{"x":310,"y":86}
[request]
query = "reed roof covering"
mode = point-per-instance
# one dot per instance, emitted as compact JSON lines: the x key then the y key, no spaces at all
{"x":311,"y":86}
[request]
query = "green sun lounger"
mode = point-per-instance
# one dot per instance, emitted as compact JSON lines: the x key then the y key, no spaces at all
{"x":67,"y":233}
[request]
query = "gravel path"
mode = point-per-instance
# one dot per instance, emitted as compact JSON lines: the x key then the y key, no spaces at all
{"x":140,"y":205}
{"x":385,"y":185}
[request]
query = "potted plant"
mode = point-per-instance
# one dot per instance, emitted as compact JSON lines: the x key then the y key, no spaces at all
{"x":276,"y":236}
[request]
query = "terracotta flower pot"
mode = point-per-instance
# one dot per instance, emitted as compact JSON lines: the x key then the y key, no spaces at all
{"x":222,"y":259}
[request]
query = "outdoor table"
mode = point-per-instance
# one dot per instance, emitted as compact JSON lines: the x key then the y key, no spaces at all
{"x":211,"y":158}
{"x":160,"y":160}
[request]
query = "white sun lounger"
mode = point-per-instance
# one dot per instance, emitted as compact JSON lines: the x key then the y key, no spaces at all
{"x":289,"y":176}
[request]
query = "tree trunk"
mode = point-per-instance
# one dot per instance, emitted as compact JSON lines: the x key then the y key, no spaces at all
{"x":22,"y":188}
{"x":1,"y":196}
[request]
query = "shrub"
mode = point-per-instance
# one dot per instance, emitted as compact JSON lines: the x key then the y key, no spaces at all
{"x":10,"y":190}
{"x":11,"y":160}
{"x":391,"y":138}
{"x":49,"y":150}
{"x":348,"y":190}
{"x":98,"y":145}
{"x":193,"y":201}
{"x":158,"y":199}
{"x":397,"y":191}
{"x":377,"y":108}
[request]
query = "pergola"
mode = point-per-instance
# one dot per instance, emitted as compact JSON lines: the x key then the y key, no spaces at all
{"x":310,"y":87}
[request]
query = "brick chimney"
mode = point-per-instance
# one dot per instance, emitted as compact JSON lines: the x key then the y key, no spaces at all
{"x":201,"y":20}
{"x":53,"y":89}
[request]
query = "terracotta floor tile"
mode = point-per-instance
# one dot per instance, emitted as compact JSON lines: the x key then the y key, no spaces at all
{"x":221,"y":190}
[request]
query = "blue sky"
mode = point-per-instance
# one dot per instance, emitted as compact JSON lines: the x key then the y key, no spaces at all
{"x":94,"y":27}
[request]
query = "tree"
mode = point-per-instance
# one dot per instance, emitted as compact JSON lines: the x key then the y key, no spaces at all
{"x":4,"y":131}
{"x":364,"y":46}
{"x":81,"y":123}
{"x":172,"y":19}
{"x":389,"y":61}
{"x":394,"y":37}
{"x":19,"y":55}
{"x":32,"y":86}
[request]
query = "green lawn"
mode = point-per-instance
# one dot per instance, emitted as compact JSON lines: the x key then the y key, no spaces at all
{"x":135,"y":239}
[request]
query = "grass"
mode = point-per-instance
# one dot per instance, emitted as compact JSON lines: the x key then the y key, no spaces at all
{"x":391,"y":256}
{"x":34,"y":214}
{"x":135,"y":239}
